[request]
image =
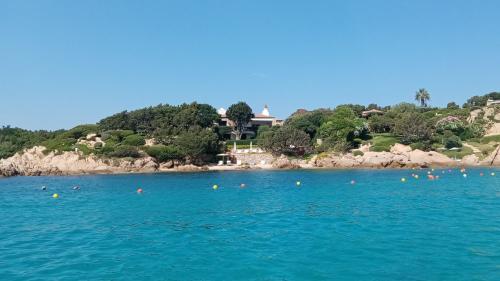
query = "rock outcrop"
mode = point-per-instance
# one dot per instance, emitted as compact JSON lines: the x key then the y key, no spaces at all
{"x":283,"y":162}
{"x":400,"y":156}
{"x":33,"y":162}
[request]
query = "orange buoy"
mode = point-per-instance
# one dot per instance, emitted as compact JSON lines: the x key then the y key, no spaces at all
{"x":139,"y":190}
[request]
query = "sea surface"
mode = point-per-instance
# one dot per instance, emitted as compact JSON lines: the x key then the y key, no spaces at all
{"x":180,"y":228}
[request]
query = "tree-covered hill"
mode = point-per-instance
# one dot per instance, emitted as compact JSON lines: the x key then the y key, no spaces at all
{"x":186,"y":131}
{"x":189,"y":133}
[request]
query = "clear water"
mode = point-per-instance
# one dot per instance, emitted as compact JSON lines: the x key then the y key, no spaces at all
{"x":181,"y":229}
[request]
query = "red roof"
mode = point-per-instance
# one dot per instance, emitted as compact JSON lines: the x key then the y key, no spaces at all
{"x":263,"y":116}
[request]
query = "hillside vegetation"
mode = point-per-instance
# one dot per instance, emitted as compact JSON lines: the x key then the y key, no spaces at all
{"x":190,"y":133}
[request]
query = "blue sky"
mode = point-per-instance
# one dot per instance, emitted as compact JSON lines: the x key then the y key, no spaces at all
{"x":64,"y":63}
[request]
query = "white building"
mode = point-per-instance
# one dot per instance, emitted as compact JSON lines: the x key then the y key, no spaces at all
{"x":260,"y":119}
{"x":492,"y":102}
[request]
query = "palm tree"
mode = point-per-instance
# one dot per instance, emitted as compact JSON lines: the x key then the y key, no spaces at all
{"x":423,"y":96}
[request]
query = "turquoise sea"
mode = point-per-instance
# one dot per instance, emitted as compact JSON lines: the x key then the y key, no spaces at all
{"x":181,"y":229}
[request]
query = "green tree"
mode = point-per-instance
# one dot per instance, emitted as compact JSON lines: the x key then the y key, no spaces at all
{"x":413,"y":127}
{"x":197,"y":145}
{"x":286,"y":140}
{"x":452,"y":105}
{"x":309,"y":121}
{"x":373,"y":106}
{"x":356,"y":108}
{"x":115,"y":122}
{"x":342,"y":127}
{"x":240,"y":113}
{"x":196,"y":114}
{"x":381,"y":124}
{"x":403,"y":107}
{"x":423,"y":97}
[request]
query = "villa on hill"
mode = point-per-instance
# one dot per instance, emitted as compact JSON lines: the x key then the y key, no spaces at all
{"x":492,"y":102}
{"x":260,"y":119}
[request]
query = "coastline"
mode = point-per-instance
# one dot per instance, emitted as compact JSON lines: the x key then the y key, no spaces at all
{"x":210,"y":169}
{"x":33,"y":162}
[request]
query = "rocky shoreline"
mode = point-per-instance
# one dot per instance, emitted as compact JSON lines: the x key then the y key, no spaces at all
{"x":33,"y":162}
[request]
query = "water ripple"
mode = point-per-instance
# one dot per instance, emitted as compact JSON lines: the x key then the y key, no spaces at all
{"x":180,"y":229}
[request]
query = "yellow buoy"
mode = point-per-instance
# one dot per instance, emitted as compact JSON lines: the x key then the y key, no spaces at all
{"x":403,"y":179}
{"x":215,"y":187}
{"x":55,"y":195}
{"x":298,"y":183}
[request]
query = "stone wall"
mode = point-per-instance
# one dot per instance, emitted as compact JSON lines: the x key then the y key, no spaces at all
{"x":254,"y":158}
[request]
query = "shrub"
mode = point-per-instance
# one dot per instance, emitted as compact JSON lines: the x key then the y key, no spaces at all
{"x":164,"y":153}
{"x":108,"y":149}
{"x":262,"y":129}
{"x":452,"y":141}
{"x":473,"y":130}
{"x":116,"y":135}
{"x":59,"y":144}
{"x":342,"y":146}
{"x":224,"y":132}
{"x":421,"y":145}
{"x":83,"y":148}
{"x":134,"y":140}
{"x":358,"y":153}
{"x":450,"y":123}
{"x":126,"y":151}
{"x":81,"y":131}
{"x":436,"y":146}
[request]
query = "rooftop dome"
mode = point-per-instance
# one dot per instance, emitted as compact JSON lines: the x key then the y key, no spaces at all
{"x":265,"y":111}
{"x":221,"y":111}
